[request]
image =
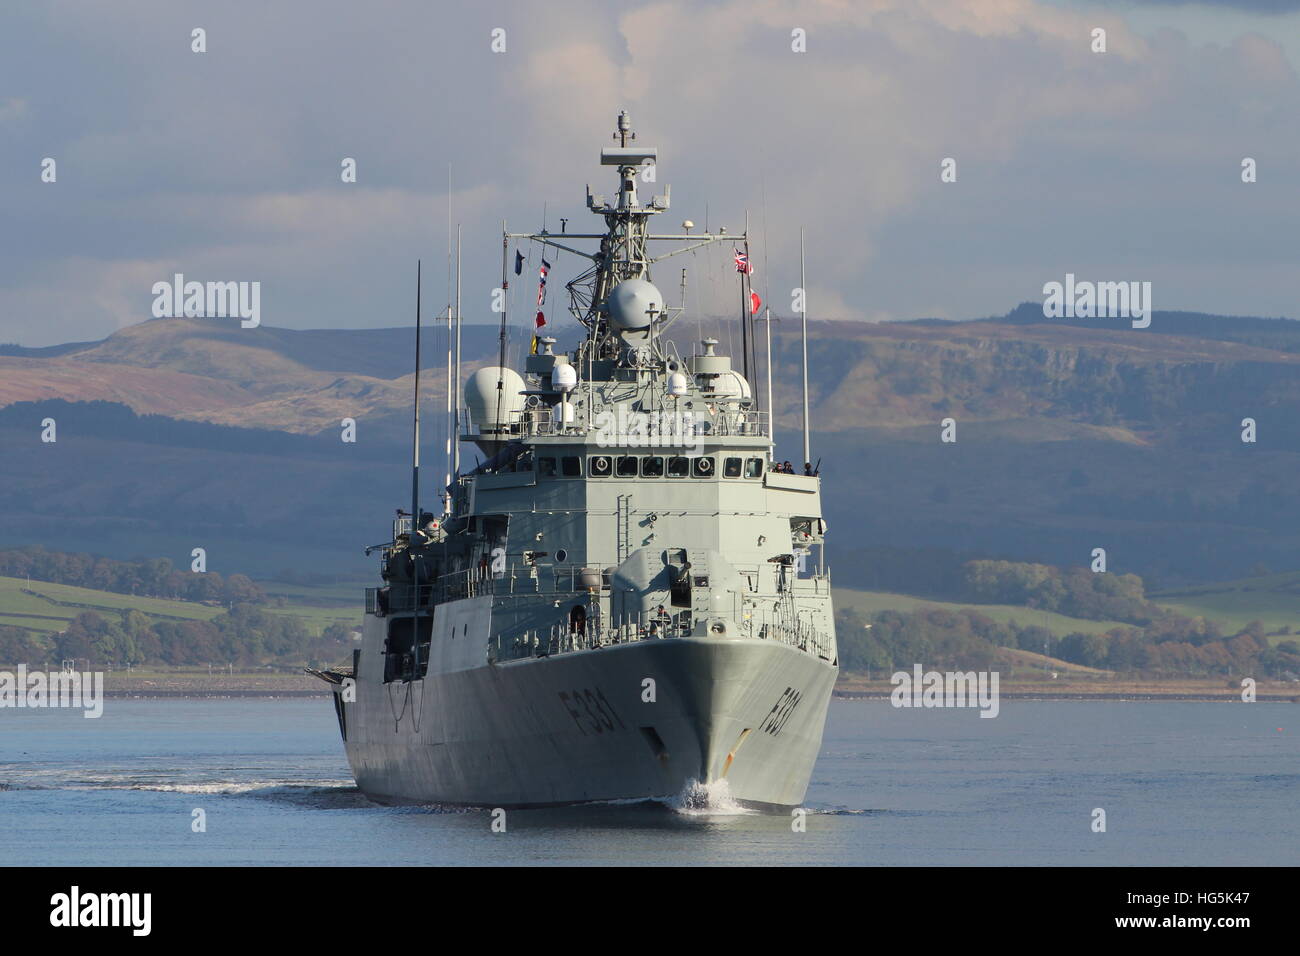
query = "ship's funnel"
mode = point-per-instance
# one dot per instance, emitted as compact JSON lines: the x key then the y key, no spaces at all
{"x":633,"y":303}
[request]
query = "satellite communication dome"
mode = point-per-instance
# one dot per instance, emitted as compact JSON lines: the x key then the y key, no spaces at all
{"x":564,"y":377}
{"x":481,"y":397}
{"x":730,"y":385}
{"x":630,"y":304}
{"x":677,"y":384}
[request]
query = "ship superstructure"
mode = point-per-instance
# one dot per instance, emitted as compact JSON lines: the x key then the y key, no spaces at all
{"x":627,"y":596}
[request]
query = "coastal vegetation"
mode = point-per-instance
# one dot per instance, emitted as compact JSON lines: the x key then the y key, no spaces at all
{"x":1094,"y":620}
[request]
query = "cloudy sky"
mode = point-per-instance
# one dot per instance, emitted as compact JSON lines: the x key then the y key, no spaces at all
{"x":225,"y":165}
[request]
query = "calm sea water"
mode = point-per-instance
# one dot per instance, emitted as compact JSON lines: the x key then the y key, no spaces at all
{"x":1181,"y":783}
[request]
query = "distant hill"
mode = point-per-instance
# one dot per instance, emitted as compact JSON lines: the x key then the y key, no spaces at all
{"x":1084,"y":377}
{"x":1070,"y":436}
{"x":304,"y":382}
{"x":1042,"y":381}
{"x":1281,"y":334}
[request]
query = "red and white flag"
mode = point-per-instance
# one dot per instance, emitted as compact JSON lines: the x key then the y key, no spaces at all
{"x":755,"y":303}
{"x":541,"y":284}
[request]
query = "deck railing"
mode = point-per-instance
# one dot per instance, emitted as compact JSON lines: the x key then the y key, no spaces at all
{"x":517,"y":579}
{"x":529,"y":422}
{"x":798,"y":630}
{"x":565,"y":638}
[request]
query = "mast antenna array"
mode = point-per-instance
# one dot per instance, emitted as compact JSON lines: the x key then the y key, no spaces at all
{"x":624,"y":248}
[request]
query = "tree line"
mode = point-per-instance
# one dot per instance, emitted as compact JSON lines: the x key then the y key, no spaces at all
{"x":245,"y":636}
{"x":1171,"y":646}
{"x":153,"y":577}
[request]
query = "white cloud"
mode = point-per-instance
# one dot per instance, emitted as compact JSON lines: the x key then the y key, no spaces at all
{"x":227,"y":162}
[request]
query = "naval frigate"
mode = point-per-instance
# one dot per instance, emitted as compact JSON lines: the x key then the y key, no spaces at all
{"x":626,"y":597}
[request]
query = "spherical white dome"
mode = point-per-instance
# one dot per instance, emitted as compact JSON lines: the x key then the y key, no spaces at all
{"x":630,"y":301}
{"x":731,"y":384}
{"x":481,"y":397}
{"x":564,"y":377}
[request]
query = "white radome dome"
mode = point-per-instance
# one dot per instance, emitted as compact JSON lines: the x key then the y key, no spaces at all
{"x":481,"y":397}
{"x":564,"y":377}
{"x":731,"y":384}
{"x":630,"y":301}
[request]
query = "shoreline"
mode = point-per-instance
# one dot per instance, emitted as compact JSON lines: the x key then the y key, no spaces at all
{"x":1229,"y":698}
{"x":1220,"y":689}
{"x":202,"y":686}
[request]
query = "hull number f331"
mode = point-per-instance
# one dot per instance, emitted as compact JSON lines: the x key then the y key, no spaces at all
{"x":781,"y":711}
{"x":592,"y":713}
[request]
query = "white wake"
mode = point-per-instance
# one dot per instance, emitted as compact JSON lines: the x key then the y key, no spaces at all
{"x":707,"y":799}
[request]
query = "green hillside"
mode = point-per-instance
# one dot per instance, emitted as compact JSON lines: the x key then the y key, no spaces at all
{"x":870,"y":602}
{"x":48,"y":608}
{"x":1272,"y":599}
{"x":45,"y":607}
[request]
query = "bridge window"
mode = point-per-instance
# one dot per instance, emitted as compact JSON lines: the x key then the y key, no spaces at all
{"x":753,"y":468}
{"x":731,"y":468}
{"x":679,"y":467}
{"x":600,"y":466}
{"x":571,"y":466}
{"x":546,"y":467}
{"x":652,"y":466}
{"x":626,"y":467}
{"x":702,"y":467}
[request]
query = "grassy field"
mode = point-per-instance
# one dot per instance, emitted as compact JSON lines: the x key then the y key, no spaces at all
{"x":869,"y":602}
{"x":319,"y":618}
{"x":319,"y":606}
{"x":52,"y":606}
{"x":343,"y":594}
{"x":48,"y":608}
{"x":1272,"y":599}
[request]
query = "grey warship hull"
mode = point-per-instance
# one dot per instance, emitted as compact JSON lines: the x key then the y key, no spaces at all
{"x":579,"y":727}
